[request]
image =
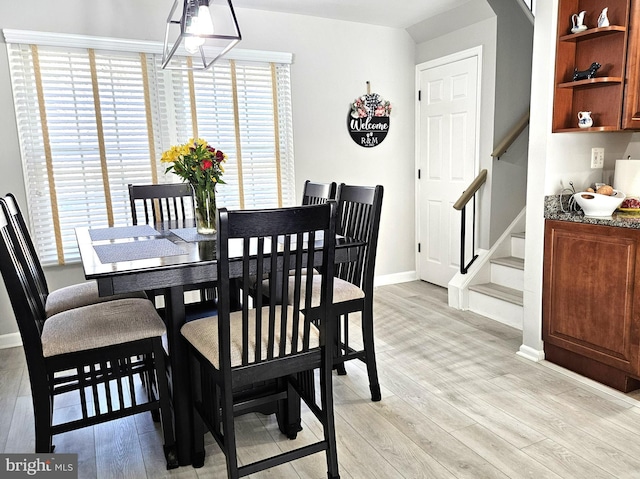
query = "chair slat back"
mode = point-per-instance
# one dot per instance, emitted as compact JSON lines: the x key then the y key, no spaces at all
{"x":21,"y":286}
{"x":25,"y":243}
{"x":160,"y":203}
{"x":359,"y":218}
{"x":303,"y":238}
{"x":318,"y":193}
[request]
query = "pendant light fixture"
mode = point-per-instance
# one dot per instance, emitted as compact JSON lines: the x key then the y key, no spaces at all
{"x":205,"y":30}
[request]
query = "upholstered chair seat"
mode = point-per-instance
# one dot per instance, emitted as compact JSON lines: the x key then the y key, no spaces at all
{"x":203,"y":336}
{"x":342,"y":291}
{"x":63,"y":299}
{"x":100,"y":325}
{"x":79,"y":295}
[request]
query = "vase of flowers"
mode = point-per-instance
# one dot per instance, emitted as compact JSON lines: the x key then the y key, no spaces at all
{"x":199,"y":164}
{"x":206,"y":210}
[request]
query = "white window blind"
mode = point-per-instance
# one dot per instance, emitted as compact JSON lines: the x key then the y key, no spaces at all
{"x":92,"y":121}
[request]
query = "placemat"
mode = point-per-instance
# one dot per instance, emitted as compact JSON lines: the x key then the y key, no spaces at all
{"x":121,"y":232}
{"x":134,"y":250}
{"x":191,"y":235}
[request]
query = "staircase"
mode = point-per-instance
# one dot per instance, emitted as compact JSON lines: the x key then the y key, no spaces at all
{"x":501,"y":298}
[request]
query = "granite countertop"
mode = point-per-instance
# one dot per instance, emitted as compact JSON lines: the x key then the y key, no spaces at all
{"x":555,"y":210}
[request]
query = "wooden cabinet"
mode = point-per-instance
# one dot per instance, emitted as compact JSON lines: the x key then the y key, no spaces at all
{"x":612,"y":95}
{"x":631,"y":104}
{"x":591,"y":312}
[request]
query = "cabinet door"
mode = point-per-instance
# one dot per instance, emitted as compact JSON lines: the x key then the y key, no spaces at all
{"x":631,"y":105}
{"x":589,"y":305}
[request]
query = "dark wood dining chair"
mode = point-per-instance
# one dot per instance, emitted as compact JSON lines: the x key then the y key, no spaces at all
{"x":62,"y":299}
{"x":359,"y":210}
{"x":160,"y":203}
{"x":318,"y":193}
{"x":94,"y":353}
{"x":359,"y":219}
{"x":172,"y":202}
{"x":268,"y":343}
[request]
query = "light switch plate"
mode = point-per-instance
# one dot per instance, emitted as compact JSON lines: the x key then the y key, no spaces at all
{"x":597,"y":157}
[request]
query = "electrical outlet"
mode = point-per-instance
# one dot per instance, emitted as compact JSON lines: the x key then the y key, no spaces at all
{"x":597,"y":157}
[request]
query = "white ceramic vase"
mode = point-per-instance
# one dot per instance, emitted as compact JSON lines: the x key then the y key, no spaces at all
{"x":603,"y":19}
{"x":584,"y":119}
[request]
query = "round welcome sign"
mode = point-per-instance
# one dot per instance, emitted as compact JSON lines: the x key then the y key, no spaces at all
{"x":368,"y":120}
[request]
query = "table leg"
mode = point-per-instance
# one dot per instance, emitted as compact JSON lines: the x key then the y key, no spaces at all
{"x":180,"y":379}
{"x":288,"y":413}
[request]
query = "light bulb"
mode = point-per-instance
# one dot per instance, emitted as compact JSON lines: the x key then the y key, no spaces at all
{"x":192,"y":43}
{"x":205,"y":22}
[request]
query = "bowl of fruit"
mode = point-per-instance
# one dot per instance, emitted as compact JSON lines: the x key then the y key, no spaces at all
{"x":631,"y":204}
{"x":600,"y":203}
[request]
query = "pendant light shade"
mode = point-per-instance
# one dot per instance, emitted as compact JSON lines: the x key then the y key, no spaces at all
{"x":203,"y":29}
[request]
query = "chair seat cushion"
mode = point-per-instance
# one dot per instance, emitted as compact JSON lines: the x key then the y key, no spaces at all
{"x":78,"y":295}
{"x":254,"y":279}
{"x":342,"y":290}
{"x":203,"y":335}
{"x":100,"y":325}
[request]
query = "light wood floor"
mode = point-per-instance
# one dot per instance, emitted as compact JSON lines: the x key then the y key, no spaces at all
{"x":457,"y":403}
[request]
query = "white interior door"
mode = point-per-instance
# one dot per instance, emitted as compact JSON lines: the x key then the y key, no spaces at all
{"x":447,"y":149}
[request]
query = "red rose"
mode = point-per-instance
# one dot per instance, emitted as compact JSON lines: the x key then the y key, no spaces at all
{"x":219,"y":156}
{"x":206,"y":164}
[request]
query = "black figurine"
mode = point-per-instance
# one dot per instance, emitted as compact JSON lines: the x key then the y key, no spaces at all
{"x":586,"y":74}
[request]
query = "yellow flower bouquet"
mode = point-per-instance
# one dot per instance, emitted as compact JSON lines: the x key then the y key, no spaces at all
{"x":201,"y":165}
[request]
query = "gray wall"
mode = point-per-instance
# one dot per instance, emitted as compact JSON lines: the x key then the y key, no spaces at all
{"x":512,"y":94}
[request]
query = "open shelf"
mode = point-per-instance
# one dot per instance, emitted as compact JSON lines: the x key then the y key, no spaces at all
{"x":585,"y":130}
{"x":591,"y":82}
{"x":593,"y":33}
{"x":604,"y":94}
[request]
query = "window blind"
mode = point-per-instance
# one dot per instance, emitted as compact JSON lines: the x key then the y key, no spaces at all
{"x":92,"y":121}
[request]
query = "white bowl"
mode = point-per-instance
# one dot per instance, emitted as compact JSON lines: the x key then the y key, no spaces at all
{"x":594,"y":204}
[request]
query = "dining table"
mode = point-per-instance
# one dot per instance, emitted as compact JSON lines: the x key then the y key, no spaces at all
{"x":167,"y":256}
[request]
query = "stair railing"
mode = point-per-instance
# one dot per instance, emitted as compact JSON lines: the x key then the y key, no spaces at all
{"x":529,"y":6}
{"x":461,"y":205}
{"x":511,"y":136}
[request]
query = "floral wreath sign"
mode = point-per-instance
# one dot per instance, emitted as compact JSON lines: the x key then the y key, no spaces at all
{"x":368,"y":120}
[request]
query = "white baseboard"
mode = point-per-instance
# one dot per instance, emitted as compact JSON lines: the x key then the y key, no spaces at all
{"x":11,"y":340}
{"x":395,"y":278}
{"x":531,"y":354}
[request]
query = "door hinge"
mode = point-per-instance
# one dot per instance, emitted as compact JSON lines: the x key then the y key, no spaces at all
{"x":418,"y":173}
{"x":418,"y":247}
{"x":419,"y":95}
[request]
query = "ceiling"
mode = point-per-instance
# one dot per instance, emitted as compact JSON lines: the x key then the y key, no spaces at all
{"x":390,"y":13}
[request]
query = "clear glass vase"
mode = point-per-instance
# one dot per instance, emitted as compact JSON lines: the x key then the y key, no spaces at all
{"x":206,"y":211}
